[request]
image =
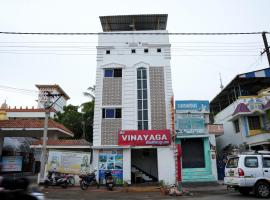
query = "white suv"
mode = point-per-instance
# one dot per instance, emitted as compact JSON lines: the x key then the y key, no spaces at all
{"x":249,"y":172}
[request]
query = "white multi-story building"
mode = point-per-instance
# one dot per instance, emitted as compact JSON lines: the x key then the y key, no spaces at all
{"x":132,"y":104}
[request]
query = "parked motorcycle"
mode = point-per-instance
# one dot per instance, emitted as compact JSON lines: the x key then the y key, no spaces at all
{"x":70,"y":180}
{"x":88,"y":179}
{"x":109,"y":180}
{"x":53,"y":180}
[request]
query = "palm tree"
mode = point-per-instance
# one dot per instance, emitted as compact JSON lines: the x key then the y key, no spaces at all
{"x":91,"y":92}
{"x":87,"y":110}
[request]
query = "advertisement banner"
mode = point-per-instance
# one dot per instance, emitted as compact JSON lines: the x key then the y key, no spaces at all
{"x":189,"y":124}
{"x":216,"y":129}
{"x":192,"y":106}
{"x":69,"y":162}
{"x":112,"y":162}
{"x":144,"y":137}
{"x":11,"y":163}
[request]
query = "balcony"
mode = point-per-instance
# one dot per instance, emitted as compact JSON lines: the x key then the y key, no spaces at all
{"x":258,"y":138}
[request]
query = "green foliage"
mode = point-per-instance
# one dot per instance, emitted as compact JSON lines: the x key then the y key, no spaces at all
{"x":72,"y":119}
{"x":88,"y":118}
{"x":79,"y":122}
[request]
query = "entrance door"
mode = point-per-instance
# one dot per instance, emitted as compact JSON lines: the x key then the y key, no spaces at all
{"x":144,"y":167}
{"x":196,"y":160}
{"x":193,"y":153}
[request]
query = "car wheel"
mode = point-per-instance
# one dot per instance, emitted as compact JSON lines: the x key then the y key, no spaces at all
{"x":262,"y":189}
{"x":244,"y":191}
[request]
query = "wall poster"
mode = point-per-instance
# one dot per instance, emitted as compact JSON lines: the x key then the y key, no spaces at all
{"x":112,"y":162}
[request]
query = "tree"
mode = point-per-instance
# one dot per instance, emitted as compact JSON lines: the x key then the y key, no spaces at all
{"x":79,"y":122}
{"x":88,"y":118}
{"x":88,"y":113}
{"x":72,"y":119}
{"x":91,"y":92}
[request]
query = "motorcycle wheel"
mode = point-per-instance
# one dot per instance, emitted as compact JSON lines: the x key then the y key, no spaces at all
{"x":71,"y":181}
{"x":83,"y":185}
{"x":64,"y":185}
{"x":111,"y":188}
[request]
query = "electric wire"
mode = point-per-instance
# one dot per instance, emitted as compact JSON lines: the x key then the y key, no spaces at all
{"x":126,"y":33}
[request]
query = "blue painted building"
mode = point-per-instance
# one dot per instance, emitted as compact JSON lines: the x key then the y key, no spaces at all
{"x":198,"y":146}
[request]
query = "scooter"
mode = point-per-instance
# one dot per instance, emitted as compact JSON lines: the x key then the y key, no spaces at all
{"x":109,"y":180}
{"x":53,"y":180}
{"x":88,"y":179}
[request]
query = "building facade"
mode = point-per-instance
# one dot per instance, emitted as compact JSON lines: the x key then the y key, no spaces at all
{"x":198,"y":146}
{"x":132,"y":121}
{"x":52,"y":89}
{"x":243,"y":108}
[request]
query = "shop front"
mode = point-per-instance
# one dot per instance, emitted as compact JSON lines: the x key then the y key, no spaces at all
{"x":198,"y":146}
{"x":141,"y":156}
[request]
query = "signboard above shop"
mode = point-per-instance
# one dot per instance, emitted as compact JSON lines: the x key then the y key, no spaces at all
{"x":186,"y":124}
{"x":144,"y":138}
{"x":216,"y":129}
{"x":192,"y":106}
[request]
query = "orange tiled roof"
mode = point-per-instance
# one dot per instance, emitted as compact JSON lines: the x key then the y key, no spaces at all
{"x":63,"y":142}
{"x":26,"y":110}
{"x":32,"y":123}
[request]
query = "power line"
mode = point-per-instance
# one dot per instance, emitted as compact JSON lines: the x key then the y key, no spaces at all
{"x":18,"y":89}
{"x":87,"y":54}
{"x":126,"y":33}
{"x":123,"y":47}
{"x":171,"y":42}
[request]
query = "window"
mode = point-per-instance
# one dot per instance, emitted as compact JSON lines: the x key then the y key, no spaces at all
{"x":251,"y":162}
{"x":266,"y":162}
{"x":117,"y":72}
{"x":108,"y":73}
{"x":236,"y":126}
{"x":254,"y":122}
{"x":159,"y":50}
{"x":142,"y":99}
{"x":111,"y":113}
{"x":108,"y":51}
{"x":232,"y":162}
{"x":113,"y":72}
{"x":133,"y":50}
{"x":145,"y":50}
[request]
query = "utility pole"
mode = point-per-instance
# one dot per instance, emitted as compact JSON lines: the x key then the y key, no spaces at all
{"x":266,"y":50}
{"x":47,"y":107}
{"x":43,"y":154}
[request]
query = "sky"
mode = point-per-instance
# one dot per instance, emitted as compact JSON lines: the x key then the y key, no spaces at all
{"x":70,"y":61}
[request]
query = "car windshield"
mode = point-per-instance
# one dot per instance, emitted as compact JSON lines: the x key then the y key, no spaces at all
{"x":232,"y":162}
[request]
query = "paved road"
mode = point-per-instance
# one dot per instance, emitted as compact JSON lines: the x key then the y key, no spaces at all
{"x":68,"y":194}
